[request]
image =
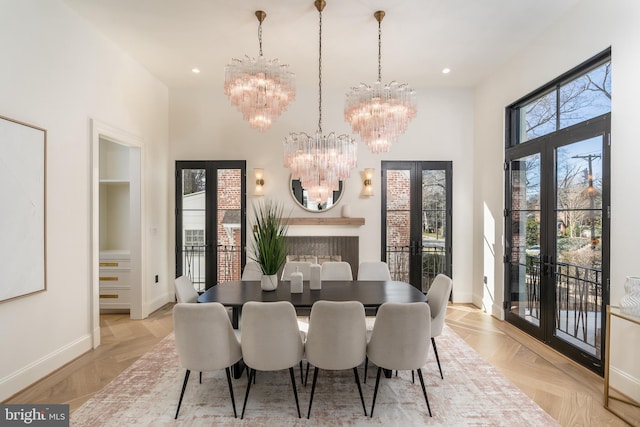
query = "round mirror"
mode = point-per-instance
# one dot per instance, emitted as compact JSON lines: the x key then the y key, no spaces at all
{"x":300,"y":195}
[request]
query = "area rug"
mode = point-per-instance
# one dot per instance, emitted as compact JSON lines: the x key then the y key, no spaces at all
{"x":473,"y":393}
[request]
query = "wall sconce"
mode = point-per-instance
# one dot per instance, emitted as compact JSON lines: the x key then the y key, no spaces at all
{"x":367,"y":189}
{"x":259,"y":174}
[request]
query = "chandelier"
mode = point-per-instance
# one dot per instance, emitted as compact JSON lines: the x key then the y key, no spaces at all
{"x":380,"y":113}
{"x":260,"y":88}
{"x":320,"y":161}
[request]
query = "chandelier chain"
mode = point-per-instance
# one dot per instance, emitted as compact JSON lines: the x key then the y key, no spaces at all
{"x":380,"y":50}
{"x":320,"y":73}
{"x":260,"y":36}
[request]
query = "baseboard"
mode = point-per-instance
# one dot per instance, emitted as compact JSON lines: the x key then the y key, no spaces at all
{"x":157,"y":303}
{"x":29,"y":374}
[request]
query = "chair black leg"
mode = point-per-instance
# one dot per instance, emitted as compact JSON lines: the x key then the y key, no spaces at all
{"x":424,"y":390}
{"x":375,"y":390}
{"x":435,"y":350}
{"x":313,"y":387}
{"x":295,"y":392}
{"x":306,"y":375}
{"x":301,"y":377}
{"x":355,"y":372}
{"x":413,"y":377}
{"x":366,"y":365}
{"x":233,"y":400}
{"x":184,"y":387}
{"x":252,"y":375}
{"x":200,"y":377}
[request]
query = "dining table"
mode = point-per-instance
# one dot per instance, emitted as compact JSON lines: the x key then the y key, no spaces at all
{"x":371,"y":293}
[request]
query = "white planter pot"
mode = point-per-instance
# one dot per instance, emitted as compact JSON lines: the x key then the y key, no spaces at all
{"x":269,"y":282}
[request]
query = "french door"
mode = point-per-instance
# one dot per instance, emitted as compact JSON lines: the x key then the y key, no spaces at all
{"x":210,"y":221}
{"x":557,"y":239}
{"x":416,"y":220}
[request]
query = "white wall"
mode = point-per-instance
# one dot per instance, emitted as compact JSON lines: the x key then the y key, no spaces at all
{"x":57,"y":74}
{"x":585,"y":31}
{"x":204,"y":125}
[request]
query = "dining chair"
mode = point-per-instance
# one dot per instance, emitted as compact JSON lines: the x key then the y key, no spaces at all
{"x":293,"y":266}
{"x":337,"y":340}
{"x":373,"y":270}
{"x":336,"y":270}
{"x":271,"y":341}
{"x":205,"y":341}
{"x":399,"y":341}
{"x":185,"y":292}
{"x":438,"y":298}
{"x":252,"y":271}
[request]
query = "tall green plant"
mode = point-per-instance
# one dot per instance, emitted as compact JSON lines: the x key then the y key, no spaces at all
{"x":269,"y":244}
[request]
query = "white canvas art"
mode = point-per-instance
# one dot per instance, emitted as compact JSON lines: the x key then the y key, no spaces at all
{"x":22,"y":219}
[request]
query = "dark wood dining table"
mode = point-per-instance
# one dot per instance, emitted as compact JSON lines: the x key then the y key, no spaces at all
{"x":371,"y":293}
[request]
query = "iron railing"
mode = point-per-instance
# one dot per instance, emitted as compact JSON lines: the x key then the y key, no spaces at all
{"x":433,"y":263}
{"x":578,"y":301}
{"x":228,"y":263}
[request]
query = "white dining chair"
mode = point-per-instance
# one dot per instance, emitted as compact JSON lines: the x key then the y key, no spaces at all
{"x":185,"y":292}
{"x":399,"y":341}
{"x":337,"y":340}
{"x":336,"y":270}
{"x":373,"y":270}
{"x":252,"y":271}
{"x":293,"y":266}
{"x":271,"y":341}
{"x":438,"y":298}
{"x":205,"y":341}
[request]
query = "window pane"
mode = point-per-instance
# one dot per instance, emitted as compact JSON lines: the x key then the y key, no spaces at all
{"x":585,"y":97}
{"x":538,"y":117}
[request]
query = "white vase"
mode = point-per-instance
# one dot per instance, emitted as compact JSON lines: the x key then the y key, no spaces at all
{"x":346,"y":211}
{"x":630,"y":302}
{"x":269,"y":282}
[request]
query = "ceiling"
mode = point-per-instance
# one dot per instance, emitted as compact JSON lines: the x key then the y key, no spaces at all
{"x":419,"y":37}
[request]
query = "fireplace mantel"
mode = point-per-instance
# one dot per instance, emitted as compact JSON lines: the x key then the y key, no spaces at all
{"x":357,"y":222}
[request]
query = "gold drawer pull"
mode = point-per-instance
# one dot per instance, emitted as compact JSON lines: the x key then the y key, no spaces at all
{"x":108,"y":264}
{"x":109,"y":278}
{"x":108,"y":295}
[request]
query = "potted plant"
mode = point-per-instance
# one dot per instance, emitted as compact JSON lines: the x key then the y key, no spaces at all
{"x":269,"y":246}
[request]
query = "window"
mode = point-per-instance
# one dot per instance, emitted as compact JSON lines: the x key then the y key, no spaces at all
{"x":568,"y":101}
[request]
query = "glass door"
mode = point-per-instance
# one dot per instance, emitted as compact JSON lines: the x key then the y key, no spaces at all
{"x":557,"y":224}
{"x":416,"y":235}
{"x":210,"y":218}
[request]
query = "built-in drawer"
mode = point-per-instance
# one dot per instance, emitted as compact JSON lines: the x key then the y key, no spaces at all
{"x":115,"y":298}
{"x":115,"y":278}
{"x":114,"y":264}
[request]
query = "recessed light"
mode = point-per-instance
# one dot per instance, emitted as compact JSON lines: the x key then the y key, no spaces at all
{"x":446,"y":70}
{"x":195,"y":70}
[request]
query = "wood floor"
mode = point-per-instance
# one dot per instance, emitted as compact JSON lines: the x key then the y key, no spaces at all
{"x":569,"y":393}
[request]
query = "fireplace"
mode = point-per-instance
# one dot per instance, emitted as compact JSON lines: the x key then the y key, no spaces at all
{"x":344,"y":247}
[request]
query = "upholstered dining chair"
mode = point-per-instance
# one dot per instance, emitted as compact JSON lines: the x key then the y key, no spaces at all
{"x":205,"y":341}
{"x":438,"y":298}
{"x":185,"y":292}
{"x":373,"y":270}
{"x":336,"y":270}
{"x":337,"y":340}
{"x":271,"y":341}
{"x":293,"y":266}
{"x":399,"y":341}
{"x":252,"y":271}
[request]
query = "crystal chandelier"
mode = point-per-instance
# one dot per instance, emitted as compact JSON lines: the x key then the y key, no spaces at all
{"x":260,"y":88}
{"x":380,"y":113}
{"x":320,"y":161}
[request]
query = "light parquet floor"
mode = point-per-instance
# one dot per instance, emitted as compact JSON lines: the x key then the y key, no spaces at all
{"x":569,"y":393}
